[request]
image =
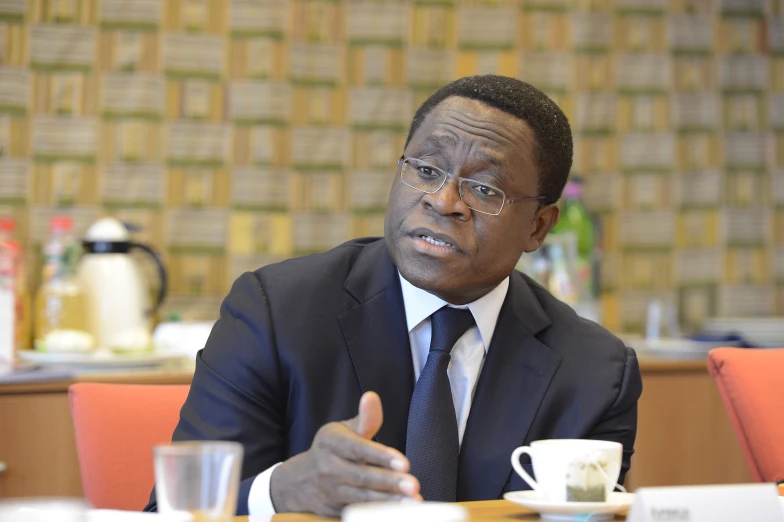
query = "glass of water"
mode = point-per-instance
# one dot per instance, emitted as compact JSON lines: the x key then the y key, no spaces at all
{"x":199,"y":478}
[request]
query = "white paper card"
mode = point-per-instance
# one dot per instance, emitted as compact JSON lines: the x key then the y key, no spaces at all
{"x":259,"y":100}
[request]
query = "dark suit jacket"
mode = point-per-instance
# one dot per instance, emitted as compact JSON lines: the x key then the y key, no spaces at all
{"x":298,"y":343}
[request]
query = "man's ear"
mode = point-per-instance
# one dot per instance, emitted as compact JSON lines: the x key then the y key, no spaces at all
{"x":545,"y":220}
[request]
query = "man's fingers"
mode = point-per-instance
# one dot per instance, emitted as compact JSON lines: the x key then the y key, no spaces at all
{"x":348,"y":494}
{"x":370,"y":417}
{"x":379,"y":479}
{"x":346,"y":444}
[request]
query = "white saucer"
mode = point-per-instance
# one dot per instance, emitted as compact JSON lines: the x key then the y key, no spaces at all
{"x":100,"y":359}
{"x":568,"y":511}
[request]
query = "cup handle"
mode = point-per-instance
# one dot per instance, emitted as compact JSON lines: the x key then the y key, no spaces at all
{"x":519,"y":469}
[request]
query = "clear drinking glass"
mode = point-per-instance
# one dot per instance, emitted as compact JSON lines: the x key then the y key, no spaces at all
{"x":199,"y":478}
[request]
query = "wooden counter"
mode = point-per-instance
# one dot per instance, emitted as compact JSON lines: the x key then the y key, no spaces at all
{"x":683,"y":436}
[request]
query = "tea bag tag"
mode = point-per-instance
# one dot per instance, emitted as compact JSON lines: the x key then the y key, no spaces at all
{"x":707,"y":504}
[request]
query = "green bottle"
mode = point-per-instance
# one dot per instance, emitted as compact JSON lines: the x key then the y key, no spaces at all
{"x":576,"y":220}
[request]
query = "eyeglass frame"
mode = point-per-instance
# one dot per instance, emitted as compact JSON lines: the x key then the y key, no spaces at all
{"x":511,"y":201}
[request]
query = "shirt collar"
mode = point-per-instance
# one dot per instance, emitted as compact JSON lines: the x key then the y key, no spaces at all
{"x":420,"y":305}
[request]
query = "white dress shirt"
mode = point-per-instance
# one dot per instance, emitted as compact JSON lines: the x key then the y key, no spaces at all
{"x":468,"y":356}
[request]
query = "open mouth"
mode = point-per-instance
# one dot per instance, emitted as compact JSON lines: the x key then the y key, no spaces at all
{"x":436,"y":242}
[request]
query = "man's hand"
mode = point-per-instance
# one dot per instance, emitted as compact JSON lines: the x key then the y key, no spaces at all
{"x":343,"y":466}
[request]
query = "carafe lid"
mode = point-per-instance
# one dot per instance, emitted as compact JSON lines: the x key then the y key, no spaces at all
{"x":107,"y":229}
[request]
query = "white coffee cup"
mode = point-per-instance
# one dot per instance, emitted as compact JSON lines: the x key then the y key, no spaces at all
{"x":557,"y":464}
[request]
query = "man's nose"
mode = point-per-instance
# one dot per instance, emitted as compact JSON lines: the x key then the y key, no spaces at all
{"x":447,"y":201}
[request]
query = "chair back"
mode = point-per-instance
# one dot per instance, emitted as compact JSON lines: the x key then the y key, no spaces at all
{"x":116,"y":427}
{"x":749,"y":382}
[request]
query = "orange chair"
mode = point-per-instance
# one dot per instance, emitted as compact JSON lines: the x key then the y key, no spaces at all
{"x":750,"y":385}
{"x":116,"y":427}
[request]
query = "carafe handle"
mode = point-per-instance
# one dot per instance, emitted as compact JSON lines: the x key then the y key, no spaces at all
{"x":161,"y":275}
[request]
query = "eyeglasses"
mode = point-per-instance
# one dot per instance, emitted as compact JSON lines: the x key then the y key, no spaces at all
{"x":477,"y":195}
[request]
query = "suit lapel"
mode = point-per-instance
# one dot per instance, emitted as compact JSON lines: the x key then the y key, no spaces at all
{"x":377,"y":338}
{"x":514,"y":379}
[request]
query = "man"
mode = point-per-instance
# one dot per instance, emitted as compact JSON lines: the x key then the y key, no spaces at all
{"x":452,"y":358}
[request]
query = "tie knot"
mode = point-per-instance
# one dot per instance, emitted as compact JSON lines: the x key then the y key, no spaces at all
{"x":448,"y":325}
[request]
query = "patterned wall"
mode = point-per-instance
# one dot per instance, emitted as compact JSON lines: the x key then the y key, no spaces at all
{"x":241,"y":132}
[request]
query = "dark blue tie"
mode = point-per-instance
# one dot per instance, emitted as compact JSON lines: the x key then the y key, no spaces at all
{"x":432,"y":443}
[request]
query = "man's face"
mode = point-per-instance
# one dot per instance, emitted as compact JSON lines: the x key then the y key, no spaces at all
{"x":468,"y":139}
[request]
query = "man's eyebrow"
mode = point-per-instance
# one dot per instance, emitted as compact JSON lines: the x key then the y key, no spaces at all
{"x":437,"y":142}
{"x":492,"y":159}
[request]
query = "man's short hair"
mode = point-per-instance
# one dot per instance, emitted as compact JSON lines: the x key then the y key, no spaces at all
{"x":551,"y":128}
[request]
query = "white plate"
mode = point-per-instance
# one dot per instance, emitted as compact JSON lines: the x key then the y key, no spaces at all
{"x":98,"y":359}
{"x":113,"y":515}
{"x":408,"y":511}
{"x":563,"y":511}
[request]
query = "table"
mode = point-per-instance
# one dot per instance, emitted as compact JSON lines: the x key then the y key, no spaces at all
{"x":684,"y":436}
{"x":487,"y":511}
